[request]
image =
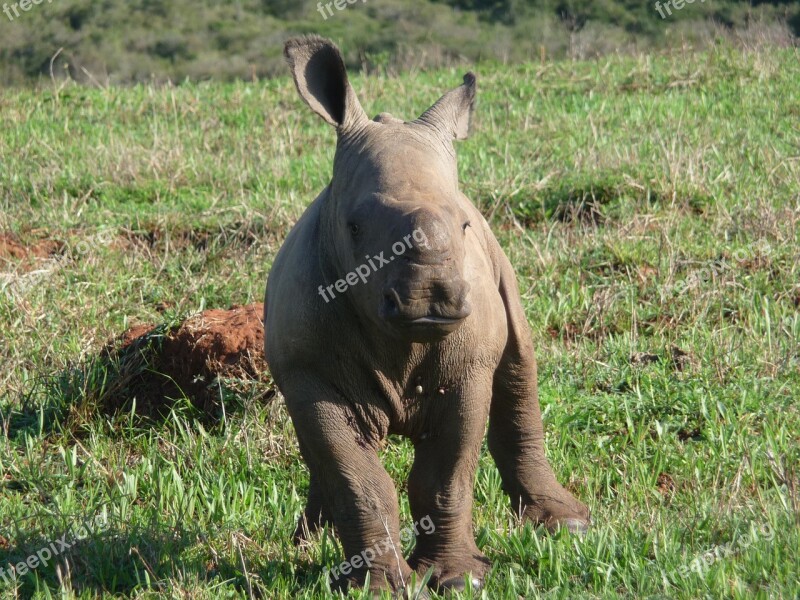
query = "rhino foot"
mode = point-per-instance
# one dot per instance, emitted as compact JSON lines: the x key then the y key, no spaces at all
{"x":412,"y":591}
{"x":579,"y":527}
{"x":459,"y":584}
{"x":559,"y":511}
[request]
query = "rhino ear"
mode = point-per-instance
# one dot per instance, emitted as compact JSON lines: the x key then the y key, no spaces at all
{"x":452,"y":114}
{"x":321,"y":78}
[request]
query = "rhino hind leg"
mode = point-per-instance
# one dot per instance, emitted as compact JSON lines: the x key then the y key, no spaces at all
{"x":516,"y":435}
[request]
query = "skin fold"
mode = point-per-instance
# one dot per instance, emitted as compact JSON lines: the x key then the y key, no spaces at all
{"x":429,"y":344}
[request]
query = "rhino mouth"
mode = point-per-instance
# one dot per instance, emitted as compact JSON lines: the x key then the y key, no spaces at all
{"x":431,"y":321}
{"x":434,"y":320}
{"x":430,"y":327}
{"x":418,"y":321}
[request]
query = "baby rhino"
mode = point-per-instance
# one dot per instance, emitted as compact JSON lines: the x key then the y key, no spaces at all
{"x":391,"y":309}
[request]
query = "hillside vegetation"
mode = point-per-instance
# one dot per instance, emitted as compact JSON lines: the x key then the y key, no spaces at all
{"x":122,"y":41}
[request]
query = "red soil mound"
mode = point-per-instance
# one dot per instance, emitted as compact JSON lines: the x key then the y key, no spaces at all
{"x":209,"y":351}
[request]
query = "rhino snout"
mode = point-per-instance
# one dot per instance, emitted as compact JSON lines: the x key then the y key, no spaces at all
{"x":435,"y":308}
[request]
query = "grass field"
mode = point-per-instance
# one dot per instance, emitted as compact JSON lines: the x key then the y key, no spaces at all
{"x":651,"y":207}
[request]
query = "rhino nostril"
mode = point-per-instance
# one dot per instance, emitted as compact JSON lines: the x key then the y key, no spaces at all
{"x":391,"y":302}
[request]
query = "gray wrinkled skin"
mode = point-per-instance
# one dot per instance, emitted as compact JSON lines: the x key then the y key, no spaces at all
{"x":433,"y":344}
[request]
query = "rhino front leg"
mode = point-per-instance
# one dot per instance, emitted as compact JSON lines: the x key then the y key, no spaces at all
{"x":349,"y":481}
{"x":440,"y":491}
{"x":516,"y":442}
{"x":516,"y":436}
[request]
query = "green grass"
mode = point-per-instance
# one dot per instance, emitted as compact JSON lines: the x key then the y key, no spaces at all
{"x":651,"y":207}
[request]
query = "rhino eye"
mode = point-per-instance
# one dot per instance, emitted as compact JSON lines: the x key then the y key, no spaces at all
{"x":354,"y":229}
{"x":465,"y":225}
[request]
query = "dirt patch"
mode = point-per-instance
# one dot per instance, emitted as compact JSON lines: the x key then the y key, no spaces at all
{"x":681,"y":360}
{"x":644,"y":358}
{"x":133,"y":335}
{"x":203,"y":358}
{"x":10,"y":248}
{"x":157,"y":237}
{"x":239,"y":235}
{"x":689,"y":433}
{"x":665,"y":484}
{"x":13,"y":250}
{"x":677,"y":358}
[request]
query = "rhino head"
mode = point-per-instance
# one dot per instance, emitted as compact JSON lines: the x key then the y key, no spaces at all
{"x":391,"y":229}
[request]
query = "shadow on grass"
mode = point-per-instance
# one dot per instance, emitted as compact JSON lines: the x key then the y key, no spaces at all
{"x":104,"y":559}
{"x":597,"y":198}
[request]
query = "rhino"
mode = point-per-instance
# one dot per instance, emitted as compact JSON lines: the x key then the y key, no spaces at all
{"x":391,"y":309}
